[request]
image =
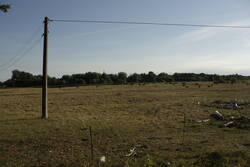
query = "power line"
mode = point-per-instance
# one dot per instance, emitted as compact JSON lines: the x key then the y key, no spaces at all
{"x":150,"y":23}
{"x":22,"y":55}
{"x":26,"y":43}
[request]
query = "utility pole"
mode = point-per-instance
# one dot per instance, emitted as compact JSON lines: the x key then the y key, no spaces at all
{"x":45,"y":71}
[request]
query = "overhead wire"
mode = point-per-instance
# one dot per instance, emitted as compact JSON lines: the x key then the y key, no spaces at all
{"x":150,"y":23}
{"x":22,"y":55}
{"x":12,"y":61}
{"x":21,"y":50}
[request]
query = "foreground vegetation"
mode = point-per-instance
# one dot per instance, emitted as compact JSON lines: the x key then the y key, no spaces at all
{"x":163,"y":122}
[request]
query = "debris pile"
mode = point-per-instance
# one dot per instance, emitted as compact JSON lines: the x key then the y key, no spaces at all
{"x":228,"y":121}
{"x":240,"y":122}
{"x":233,"y":104}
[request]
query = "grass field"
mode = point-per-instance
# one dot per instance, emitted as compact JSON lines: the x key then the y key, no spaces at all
{"x":159,"y":120}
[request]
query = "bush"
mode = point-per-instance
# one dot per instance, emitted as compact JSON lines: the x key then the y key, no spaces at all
{"x":213,"y":159}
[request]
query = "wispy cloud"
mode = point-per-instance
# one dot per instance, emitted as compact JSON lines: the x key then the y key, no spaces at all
{"x":204,"y":33}
{"x":215,"y":50}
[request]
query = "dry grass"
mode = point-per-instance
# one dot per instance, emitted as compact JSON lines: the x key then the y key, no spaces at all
{"x":148,"y":117}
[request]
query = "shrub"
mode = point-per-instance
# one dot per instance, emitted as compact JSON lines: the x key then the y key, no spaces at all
{"x":213,"y":159}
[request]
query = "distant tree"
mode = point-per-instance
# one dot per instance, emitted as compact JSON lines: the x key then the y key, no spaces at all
{"x":66,"y":79}
{"x":52,"y":81}
{"x":105,"y":79}
{"x":186,"y":77}
{"x":151,"y":77}
{"x":92,"y":78}
{"x":9,"y":83}
{"x":22,"y":79}
{"x":78,"y":79}
{"x":122,"y":78}
{"x":203,"y":77}
{"x":163,"y":77}
{"x":113,"y":78}
{"x":143,"y":77}
{"x":37,"y":80}
{"x":134,"y":78}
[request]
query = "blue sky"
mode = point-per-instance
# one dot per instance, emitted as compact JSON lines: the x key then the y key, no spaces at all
{"x":83,"y":47}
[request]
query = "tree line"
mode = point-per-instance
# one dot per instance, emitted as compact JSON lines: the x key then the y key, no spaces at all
{"x":25,"y":79}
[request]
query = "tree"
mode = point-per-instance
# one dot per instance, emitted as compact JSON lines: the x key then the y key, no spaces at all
{"x":122,"y":78}
{"x":66,"y":79}
{"x":9,"y":83}
{"x":22,"y":79}
{"x":37,"y":80}
{"x":134,"y":78}
{"x":113,"y":78}
{"x":4,"y":7}
{"x":92,"y":78}
{"x":151,"y":77}
{"x":78,"y":79}
{"x":105,"y":79}
{"x":163,"y":77}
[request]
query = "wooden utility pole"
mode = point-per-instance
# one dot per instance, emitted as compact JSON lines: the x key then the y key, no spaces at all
{"x":91,"y":147}
{"x":45,"y":71}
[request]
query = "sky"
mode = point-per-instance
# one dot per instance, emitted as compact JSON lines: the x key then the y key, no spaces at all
{"x":83,"y":47}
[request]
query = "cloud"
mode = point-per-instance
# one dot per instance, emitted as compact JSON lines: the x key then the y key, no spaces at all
{"x":234,"y":62}
{"x":197,"y":35}
{"x":213,"y":50}
{"x":204,"y":33}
